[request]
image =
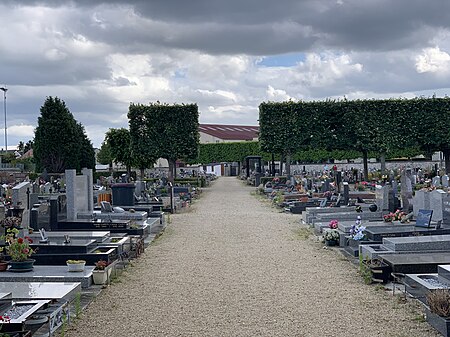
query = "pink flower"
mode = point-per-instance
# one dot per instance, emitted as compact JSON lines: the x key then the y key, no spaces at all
{"x":25,"y":251}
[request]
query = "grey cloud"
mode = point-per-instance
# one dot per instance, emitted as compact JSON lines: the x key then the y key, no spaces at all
{"x":253,"y":27}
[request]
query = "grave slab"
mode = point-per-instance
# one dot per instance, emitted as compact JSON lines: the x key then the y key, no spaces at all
{"x":50,"y":274}
{"x":415,"y":263}
{"x":418,"y":243}
{"x":380,"y":232}
{"x":41,"y":290}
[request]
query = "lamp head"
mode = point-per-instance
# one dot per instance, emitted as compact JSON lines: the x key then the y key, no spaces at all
{"x":4,"y":89}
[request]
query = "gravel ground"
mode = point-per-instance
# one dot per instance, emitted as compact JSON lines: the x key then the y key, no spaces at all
{"x":234,"y":266}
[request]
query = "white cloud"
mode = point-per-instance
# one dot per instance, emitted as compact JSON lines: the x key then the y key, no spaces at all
{"x":433,"y":60}
{"x":25,"y":131}
{"x":277,"y":95}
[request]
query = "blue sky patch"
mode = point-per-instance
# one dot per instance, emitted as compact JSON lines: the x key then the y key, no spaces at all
{"x":284,"y":60}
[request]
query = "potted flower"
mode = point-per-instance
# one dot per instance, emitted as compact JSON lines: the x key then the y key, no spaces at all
{"x":331,"y":237}
{"x":19,"y":250}
{"x":398,"y":216}
{"x":438,"y":313}
{"x":333,"y":224}
{"x":101,"y":272}
{"x":75,"y":265}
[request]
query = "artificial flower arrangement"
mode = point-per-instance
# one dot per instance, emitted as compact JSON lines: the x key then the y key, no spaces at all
{"x":17,"y":248}
{"x":11,"y":221}
{"x":333,"y":224}
{"x":357,"y":230}
{"x":396,"y":216}
{"x":331,"y":235}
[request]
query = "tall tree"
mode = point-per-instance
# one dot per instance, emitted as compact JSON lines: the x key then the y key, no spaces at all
{"x":119,"y":146}
{"x":87,"y":153}
{"x":170,"y":131}
{"x":104,"y":155}
{"x":57,"y":142}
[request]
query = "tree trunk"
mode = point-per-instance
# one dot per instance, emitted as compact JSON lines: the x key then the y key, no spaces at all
{"x":128,"y":173}
{"x":288,"y":165}
{"x":383,"y":163}
{"x":366,"y":167}
{"x":172,"y":164}
{"x":272,"y":172}
{"x":281,"y":165}
{"x":447,"y":160}
{"x":142,"y":173}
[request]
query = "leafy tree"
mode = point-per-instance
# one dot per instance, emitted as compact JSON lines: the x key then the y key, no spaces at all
{"x":28,"y":146}
{"x":104,"y":155}
{"x":166,"y":131}
{"x":119,"y":141}
{"x":87,"y":153}
{"x":58,"y":142}
{"x":20,"y":147}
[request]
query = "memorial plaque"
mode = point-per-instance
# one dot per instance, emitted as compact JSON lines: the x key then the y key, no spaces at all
{"x":424,"y":217}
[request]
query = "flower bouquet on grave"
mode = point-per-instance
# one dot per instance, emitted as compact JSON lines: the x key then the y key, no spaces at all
{"x":333,"y":224}
{"x":357,"y":230}
{"x":396,"y":216}
{"x":331,"y":237}
{"x":11,"y":222}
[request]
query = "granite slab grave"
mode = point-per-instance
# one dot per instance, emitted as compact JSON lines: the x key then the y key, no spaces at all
{"x":416,"y":263}
{"x":50,"y":274}
{"x":419,"y":285}
{"x":311,"y":212}
{"x":407,"y":245}
{"x":41,"y":290}
{"x":98,"y":236}
{"x":418,"y":243}
{"x":380,"y":232}
{"x":326,"y":217}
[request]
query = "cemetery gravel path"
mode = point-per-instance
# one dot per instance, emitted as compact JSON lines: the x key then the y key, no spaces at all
{"x":234,"y":266}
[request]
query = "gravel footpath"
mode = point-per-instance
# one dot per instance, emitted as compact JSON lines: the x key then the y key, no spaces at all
{"x":234,"y":266}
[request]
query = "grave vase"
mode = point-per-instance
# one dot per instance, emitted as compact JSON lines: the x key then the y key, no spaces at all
{"x":21,"y":266}
{"x":3,"y":266}
{"x":100,"y":277}
{"x":396,"y":223}
{"x":331,"y":243}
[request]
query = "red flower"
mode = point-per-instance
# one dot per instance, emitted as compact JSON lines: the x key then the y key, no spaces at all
{"x":20,"y":240}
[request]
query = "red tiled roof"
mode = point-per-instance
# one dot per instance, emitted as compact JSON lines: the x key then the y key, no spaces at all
{"x":230,"y":132}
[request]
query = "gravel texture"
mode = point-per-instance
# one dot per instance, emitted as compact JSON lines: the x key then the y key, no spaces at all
{"x":234,"y":266}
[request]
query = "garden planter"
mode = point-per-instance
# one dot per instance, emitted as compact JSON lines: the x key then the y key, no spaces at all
{"x":331,"y":243}
{"x":76,"y":267}
{"x":21,"y":266}
{"x":380,"y":271}
{"x":439,"y":323}
{"x":3,"y":265}
{"x":100,"y":276}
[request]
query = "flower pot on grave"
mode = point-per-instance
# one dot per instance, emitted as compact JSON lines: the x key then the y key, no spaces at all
{"x":21,"y":266}
{"x":100,"y":277}
{"x":3,"y":265}
{"x":331,"y":243}
{"x":75,"y":265}
{"x":439,"y":323}
{"x":396,"y":223}
{"x":380,"y":271}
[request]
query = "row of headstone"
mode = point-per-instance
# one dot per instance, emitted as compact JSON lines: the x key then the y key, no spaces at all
{"x":440,"y":181}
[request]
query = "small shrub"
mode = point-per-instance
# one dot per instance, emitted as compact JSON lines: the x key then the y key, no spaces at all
{"x":439,"y":302}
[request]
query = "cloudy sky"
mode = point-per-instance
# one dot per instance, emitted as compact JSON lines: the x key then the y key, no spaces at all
{"x":227,"y":56}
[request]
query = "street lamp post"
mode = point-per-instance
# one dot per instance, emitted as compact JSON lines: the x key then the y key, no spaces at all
{"x":4,"y":89}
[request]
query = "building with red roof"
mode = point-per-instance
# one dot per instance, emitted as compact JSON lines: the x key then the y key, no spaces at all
{"x":217,"y":133}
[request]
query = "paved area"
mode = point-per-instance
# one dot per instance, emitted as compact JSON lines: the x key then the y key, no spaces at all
{"x":234,"y":266}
